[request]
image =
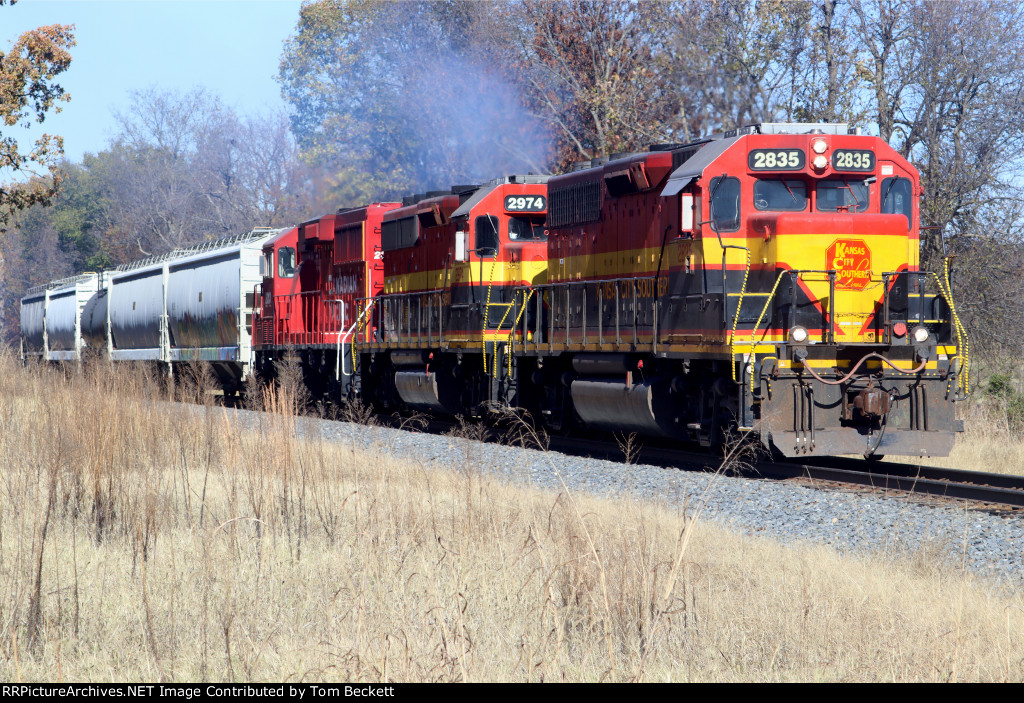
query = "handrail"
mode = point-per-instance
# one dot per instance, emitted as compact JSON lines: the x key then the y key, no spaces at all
{"x":633,"y":320}
{"x":346,"y":335}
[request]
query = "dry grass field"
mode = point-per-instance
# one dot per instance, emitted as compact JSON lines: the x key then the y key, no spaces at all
{"x":141,"y":540}
{"x":990,"y":442}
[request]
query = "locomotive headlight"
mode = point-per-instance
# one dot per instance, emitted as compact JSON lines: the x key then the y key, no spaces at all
{"x":798,"y":334}
{"x":820,"y":162}
{"x":920,"y":334}
{"x":819,"y":146}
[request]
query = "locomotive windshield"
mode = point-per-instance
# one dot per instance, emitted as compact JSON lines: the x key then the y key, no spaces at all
{"x":780,"y":194}
{"x":525,"y":228}
{"x":848,"y":195}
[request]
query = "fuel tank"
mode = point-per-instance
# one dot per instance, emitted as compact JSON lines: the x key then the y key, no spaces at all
{"x":610,"y":404}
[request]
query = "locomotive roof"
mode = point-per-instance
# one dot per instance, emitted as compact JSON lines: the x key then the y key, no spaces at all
{"x":694,"y":166}
{"x":349,"y":215}
{"x":721,"y":142}
{"x":423,"y":205}
{"x":483,"y":191}
{"x":281,"y":235}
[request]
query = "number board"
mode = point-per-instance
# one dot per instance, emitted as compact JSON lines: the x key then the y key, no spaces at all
{"x":525,"y":203}
{"x":853,"y":160}
{"x":776,"y":159}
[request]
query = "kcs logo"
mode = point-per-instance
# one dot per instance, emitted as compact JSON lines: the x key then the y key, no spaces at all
{"x":851,"y":260}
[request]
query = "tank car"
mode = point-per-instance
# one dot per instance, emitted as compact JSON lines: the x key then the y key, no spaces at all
{"x":764,"y":280}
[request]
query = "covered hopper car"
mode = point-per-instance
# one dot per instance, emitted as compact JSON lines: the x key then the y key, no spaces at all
{"x":190,"y":305}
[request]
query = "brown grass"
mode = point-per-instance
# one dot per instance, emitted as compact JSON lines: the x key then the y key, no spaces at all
{"x":990,"y":442}
{"x":144,"y":540}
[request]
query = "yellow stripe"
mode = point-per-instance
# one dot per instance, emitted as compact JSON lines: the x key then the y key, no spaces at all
{"x":844,"y":363}
{"x":421,"y":281}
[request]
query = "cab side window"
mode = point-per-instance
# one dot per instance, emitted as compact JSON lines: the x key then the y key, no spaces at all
{"x":897,"y":198}
{"x":725,"y":204}
{"x":286,"y":262}
{"x":487,"y":235}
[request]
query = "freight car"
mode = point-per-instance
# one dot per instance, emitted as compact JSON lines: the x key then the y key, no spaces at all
{"x":190,"y":305}
{"x":51,"y":318}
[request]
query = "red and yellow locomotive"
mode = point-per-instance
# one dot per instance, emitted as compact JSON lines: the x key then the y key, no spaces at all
{"x":439,"y":334}
{"x":764,"y":280}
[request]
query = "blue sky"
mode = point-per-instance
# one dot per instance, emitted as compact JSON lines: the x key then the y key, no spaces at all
{"x":229,"y":47}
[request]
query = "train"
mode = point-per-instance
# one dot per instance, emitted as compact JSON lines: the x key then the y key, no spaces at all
{"x":764,"y":282}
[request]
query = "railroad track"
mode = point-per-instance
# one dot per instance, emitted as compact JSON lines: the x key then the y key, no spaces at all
{"x":990,"y":489}
{"x":978,"y":486}
{"x":1003,"y":491}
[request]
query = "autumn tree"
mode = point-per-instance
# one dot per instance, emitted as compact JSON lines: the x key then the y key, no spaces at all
{"x":28,"y":92}
{"x":184,"y":168}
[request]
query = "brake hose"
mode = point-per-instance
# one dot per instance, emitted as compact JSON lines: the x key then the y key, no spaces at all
{"x":847,"y":377}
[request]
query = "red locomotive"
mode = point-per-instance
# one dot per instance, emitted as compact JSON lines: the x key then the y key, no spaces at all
{"x":315,"y":277}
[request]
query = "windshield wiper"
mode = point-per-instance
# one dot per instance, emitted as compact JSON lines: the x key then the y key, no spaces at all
{"x":885,"y":196}
{"x":856,"y":200}
{"x":791,"y":193}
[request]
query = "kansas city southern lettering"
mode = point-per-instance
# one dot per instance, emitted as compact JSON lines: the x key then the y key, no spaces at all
{"x":851,"y":260}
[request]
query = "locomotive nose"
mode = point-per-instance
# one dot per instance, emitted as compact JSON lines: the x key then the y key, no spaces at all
{"x":841,"y":259}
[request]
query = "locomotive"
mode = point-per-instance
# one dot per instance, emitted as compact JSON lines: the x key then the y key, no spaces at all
{"x":762,"y":281}
{"x":766,"y":281}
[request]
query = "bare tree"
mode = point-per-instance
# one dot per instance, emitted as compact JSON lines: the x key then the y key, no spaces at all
{"x":948,"y":94}
{"x":591,"y":70}
{"x":186,"y":168}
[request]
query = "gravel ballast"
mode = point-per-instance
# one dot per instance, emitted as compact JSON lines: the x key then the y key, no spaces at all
{"x":985,"y":543}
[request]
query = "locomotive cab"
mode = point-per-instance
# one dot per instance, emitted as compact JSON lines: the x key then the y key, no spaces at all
{"x":453,"y":263}
{"x":279,"y":269}
{"x":840,"y":344}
